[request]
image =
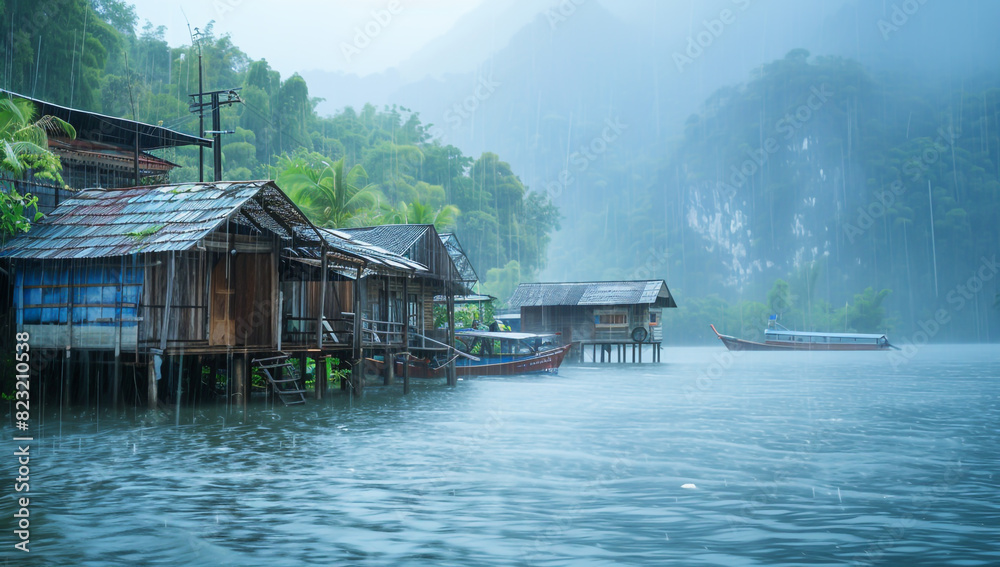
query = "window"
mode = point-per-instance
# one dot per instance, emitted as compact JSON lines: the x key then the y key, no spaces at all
{"x":611,"y":319}
{"x":101,"y":295}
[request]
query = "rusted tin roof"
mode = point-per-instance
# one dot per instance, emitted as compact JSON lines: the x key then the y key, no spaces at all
{"x":653,"y":292}
{"x":116,"y":222}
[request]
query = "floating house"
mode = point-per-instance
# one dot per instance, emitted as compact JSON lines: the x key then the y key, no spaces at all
{"x":219,"y":274}
{"x":107,"y":152}
{"x":591,"y":314}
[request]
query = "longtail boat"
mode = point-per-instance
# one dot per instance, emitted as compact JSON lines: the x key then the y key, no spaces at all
{"x":489,"y":353}
{"x":783,"y":339}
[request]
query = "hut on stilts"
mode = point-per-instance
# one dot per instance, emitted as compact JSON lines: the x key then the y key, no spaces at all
{"x":132,"y":293}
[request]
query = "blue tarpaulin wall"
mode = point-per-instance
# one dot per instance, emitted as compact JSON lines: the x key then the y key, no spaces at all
{"x":103,"y":294}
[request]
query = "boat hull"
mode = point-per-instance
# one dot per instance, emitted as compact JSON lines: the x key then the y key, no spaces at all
{"x":735,"y":344}
{"x":546,"y":361}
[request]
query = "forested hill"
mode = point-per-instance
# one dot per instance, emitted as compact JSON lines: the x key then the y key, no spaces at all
{"x":838,"y":178}
{"x":91,"y":55}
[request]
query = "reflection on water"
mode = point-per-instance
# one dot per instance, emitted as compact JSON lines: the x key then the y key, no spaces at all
{"x":797,"y":458}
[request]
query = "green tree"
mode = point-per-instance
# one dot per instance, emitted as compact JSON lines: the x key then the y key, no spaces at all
{"x":24,"y":147}
{"x":329,"y":196}
{"x":780,"y":299}
{"x":501,"y":282}
{"x":867,"y":315}
{"x":443,"y":218}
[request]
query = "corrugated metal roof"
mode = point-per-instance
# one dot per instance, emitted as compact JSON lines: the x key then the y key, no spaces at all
{"x":592,"y":293}
{"x":98,"y":127}
{"x":100,"y":223}
{"x":376,"y":256}
{"x":396,"y":238}
{"x":466,"y":271}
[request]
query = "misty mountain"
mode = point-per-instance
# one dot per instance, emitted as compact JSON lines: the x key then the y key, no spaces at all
{"x":602,"y":123}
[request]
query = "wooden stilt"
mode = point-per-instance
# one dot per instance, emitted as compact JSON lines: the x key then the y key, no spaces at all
{"x":406,"y":337}
{"x":85,"y":360}
{"x":390,"y":368}
{"x":452,"y":373}
{"x":213,"y":371}
{"x":151,"y":392}
{"x":358,"y":377}
{"x":116,"y":378}
{"x":241,"y":381}
{"x":357,"y":352}
{"x":66,"y":377}
{"x":321,"y":376}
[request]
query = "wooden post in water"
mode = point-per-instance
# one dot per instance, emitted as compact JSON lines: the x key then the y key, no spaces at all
{"x":303,"y":364}
{"x":86,"y":363}
{"x":452,"y":373}
{"x":357,"y":351}
{"x":151,"y":394}
{"x":406,"y":336}
{"x":390,"y":368}
{"x":241,"y":380}
{"x":322,"y":299}
{"x":321,"y":375}
{"x":67,"y":376}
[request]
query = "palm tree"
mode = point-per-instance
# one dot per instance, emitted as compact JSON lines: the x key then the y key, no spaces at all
{"x":24,"y":148}
{"x":416,"y":212}
{"x":329,"y":197}
{"x":24,"y":141}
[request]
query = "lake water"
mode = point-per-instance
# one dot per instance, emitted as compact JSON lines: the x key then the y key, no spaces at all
{"x":794,"y":458}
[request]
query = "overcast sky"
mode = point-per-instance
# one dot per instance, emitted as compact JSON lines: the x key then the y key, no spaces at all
{"x":301,"y":35}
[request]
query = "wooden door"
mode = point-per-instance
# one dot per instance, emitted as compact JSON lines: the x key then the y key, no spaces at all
{"x":254,"y":312}
{"x":222,"y":328}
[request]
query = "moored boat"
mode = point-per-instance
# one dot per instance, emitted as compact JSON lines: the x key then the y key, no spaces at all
{"x":783,"y":339}
{"x":490,"y":353}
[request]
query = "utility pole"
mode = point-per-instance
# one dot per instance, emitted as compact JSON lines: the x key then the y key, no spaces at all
{"x":215,"y":103}
{"x":196,"y":38}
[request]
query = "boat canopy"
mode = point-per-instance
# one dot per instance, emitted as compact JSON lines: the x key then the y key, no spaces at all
{"x":504,"y":335}
{"x":829,"y":335}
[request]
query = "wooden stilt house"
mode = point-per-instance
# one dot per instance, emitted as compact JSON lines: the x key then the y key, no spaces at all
{"x":231,"y":270}
{"x":422,"y":244}
{"x":595,"y":313}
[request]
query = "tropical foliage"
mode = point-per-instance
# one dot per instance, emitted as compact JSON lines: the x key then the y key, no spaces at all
{"x":330,"y":197}
{"x":24,"y":148}
{"x":360,"y":166}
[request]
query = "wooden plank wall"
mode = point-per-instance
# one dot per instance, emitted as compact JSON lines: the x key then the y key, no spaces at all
{"x":188,"y":303}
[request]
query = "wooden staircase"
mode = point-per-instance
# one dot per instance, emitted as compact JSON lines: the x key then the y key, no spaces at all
{"x":283,"y":377}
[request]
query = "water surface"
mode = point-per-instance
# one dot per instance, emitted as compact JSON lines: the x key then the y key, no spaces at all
{"x":795,"y":458}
